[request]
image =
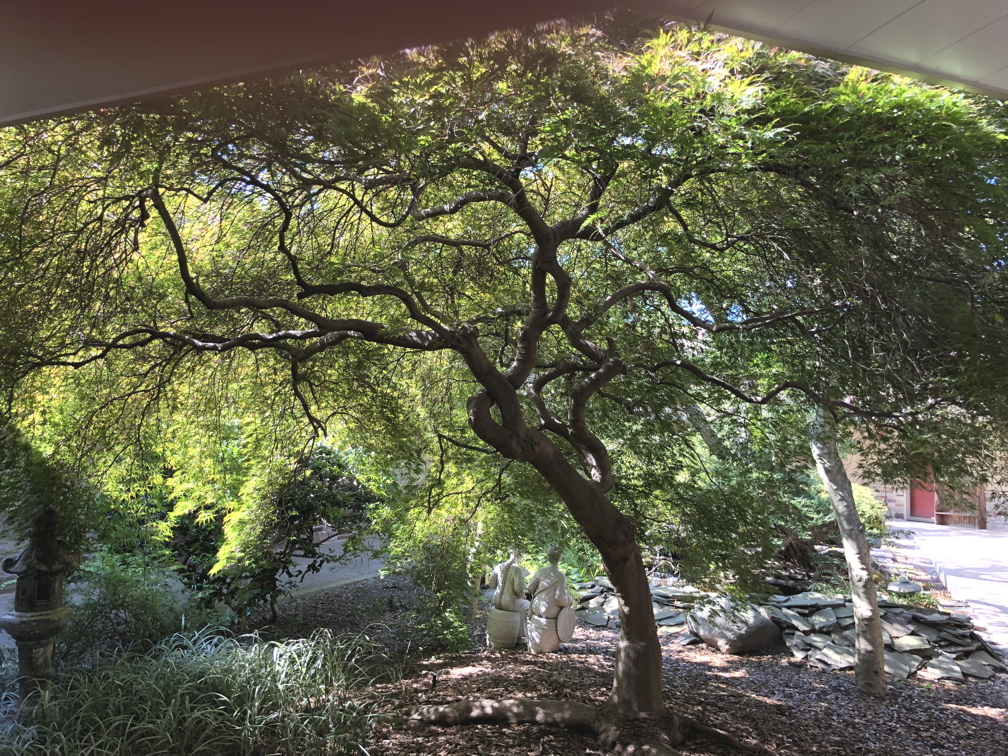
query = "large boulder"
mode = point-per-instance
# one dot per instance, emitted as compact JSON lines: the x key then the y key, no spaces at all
{"x":732,"y":627}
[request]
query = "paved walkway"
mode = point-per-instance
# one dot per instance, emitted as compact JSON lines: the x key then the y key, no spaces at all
{"x":973,"y":565}
{"x":334,"y":575}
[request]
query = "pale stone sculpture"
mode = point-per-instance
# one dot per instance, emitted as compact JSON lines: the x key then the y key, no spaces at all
{"x":549,"y":597}
{"x":506,"y":622}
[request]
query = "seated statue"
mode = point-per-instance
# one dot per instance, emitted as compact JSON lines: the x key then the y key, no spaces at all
{"x":549,"y":597}
{"x":508,"y":581}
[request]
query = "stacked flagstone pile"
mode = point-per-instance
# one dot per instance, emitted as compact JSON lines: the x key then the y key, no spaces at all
{"x":931,"y":643}
{"x":598,"y":605}
{"x":935,"y":644}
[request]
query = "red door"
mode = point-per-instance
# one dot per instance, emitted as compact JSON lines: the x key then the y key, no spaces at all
{"x":922,"y":499}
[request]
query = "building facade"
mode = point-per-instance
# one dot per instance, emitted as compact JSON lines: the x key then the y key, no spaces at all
{"x":924,"y":502}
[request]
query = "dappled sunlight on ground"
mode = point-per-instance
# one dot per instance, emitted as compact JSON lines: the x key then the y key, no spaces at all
{"x":795,"y":710}
{"x":466,"y":671}
{"x":791,"y":709}
{"x":997,"y":714}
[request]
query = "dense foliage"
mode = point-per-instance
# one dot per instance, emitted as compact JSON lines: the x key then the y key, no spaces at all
{"x":122,"y":603}
{"x":613,"y":265}
{"x":208,"y":694}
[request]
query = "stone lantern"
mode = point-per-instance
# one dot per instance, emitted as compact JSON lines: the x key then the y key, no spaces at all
{"x":38,"y":614}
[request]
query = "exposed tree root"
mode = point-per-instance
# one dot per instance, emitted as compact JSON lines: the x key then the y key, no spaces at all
{"x":575,"y":716}
{"x":620,"y":735}
{"x":694,"y":728}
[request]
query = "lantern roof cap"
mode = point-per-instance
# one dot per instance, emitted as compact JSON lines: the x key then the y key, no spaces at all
{"x":49,"y":557}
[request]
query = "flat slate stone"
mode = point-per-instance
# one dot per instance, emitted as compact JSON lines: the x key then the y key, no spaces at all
{"x":840,"y":638}
{"x":797,"y":620}
{"x":844,"y":611}
{"x":901,"y":666}
{"x":824,"y":620}
{"x":594,"y":617}
{"x":961,"y":638}
{"x":974,"y":668}
{"x":813,"y":599}
{"x":672,"y":592}
{"x":962,"y":652}
{"x":984,"y":658}
{"x":677,"y":618}
{"x":661,"y":614}
{"x":817,"y":639}
{"x":897,"y":627}
{"x":688,"y":639}
{"x":953,"y":603}
{"x":942,"y":669}
{"x":821,"y":664}
{"x":925,"y":631}
{"x":932,"y":617}
{"x":911,"y":643}
{"x":772,"y":612}
{"x":836,"y":656}
{"x":851,"y":635}
{"x":669,"y":630}
{"x":611,"y":606}
{"x":604,"y":582}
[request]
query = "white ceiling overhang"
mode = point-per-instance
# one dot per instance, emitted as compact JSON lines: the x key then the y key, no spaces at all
{"x":58,"y":56}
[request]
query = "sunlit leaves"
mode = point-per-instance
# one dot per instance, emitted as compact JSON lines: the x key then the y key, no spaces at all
{"x":749,"y":181}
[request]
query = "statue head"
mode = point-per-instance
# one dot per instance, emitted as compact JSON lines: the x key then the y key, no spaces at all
{"x":553,"y":554}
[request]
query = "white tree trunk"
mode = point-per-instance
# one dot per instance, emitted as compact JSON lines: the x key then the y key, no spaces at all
{"x":869,"y":667}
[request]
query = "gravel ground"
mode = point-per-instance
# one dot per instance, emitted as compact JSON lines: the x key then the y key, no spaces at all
{"x":791,"y":710}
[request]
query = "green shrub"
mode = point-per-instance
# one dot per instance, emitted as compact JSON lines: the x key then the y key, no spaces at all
{"x":260,"y":565}
{"x":813,"y":513}
{"x":873,"y":513}
{"x":123,"y":603}
{"x":440,"y":628}
{"x":206,"y":694}
{"x":438,"y":557}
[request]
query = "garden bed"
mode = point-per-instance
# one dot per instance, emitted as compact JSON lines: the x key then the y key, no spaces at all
{"x":792,"y":710}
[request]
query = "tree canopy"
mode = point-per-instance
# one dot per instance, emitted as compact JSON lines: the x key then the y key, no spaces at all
{"x":568,"y":243}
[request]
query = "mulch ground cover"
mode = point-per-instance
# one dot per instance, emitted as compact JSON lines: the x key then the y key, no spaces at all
{"x":791,"y":710}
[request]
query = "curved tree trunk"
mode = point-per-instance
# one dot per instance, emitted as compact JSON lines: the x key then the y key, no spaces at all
{"x":637,"y":679}
{"x":869,"y":667}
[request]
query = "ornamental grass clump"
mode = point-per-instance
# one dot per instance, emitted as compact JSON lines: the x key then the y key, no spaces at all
{"x":208,"y":694}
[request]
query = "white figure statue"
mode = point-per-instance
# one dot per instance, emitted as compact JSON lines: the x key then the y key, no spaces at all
{"x":549,"y":597}
{"x":508,"y":581}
